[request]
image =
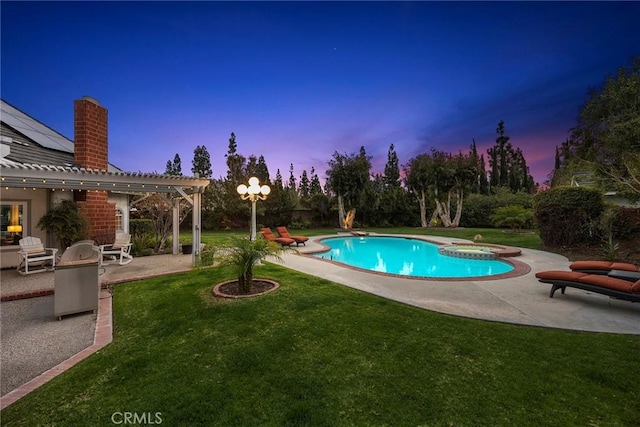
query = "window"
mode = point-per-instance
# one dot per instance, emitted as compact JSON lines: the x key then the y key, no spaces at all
{"x":119,"y":223}
{"x":13,"y":216}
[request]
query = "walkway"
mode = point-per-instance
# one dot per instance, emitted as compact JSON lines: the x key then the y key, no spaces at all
{"x":520,"y":300}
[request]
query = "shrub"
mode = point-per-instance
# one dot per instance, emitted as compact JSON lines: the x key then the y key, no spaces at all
{"x":568,"y":215}
{"x":141,"y":227}
{"x":514,"y":216}
{"x":625,"y":222}
{"x":142,"y":245}
{"x":66,"y":223}
{"x":478,"y":208}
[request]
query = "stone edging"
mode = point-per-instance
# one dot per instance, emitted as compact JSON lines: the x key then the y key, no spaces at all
{"x":216,"y":289}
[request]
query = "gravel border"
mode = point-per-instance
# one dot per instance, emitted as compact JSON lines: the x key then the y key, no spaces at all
{"x":34,"y":341}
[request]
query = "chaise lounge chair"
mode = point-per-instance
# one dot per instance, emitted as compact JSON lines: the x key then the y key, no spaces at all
{"x":283,"y":232}
{"x":268,"y":234}
{"x":601,"y":267}
{"x":619,"y":284}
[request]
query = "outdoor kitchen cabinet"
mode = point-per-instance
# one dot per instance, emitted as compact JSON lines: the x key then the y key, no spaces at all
{"x":77,"y":287}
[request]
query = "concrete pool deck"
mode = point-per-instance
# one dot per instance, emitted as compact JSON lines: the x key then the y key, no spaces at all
{"x":519,"y":300}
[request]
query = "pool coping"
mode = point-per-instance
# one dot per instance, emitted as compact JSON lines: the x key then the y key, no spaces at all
{"x":519,"y":268}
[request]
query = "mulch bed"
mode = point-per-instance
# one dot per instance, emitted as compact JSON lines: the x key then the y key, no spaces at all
{"x":231,"y":289}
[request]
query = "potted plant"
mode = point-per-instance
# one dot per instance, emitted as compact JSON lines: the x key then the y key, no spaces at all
{"x":66,"y":223}
{"x":243,"y":256}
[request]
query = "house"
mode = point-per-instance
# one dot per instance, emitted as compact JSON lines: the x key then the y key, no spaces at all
{"x":40,"y":167}
{"x":586,"y":179}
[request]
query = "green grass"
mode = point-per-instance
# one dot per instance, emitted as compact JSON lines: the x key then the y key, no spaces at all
{"x":525,"y":239}
{"x":319,"y":354}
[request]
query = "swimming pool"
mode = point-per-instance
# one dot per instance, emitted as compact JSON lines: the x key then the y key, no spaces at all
{"x":407,"y":257}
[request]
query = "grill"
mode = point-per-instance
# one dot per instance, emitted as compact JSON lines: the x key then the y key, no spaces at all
{"x":77,"y":287}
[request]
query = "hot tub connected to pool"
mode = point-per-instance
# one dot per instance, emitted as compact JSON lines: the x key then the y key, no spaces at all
{"x":410,"y":257}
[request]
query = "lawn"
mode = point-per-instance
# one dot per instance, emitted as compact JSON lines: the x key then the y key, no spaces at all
{"x":525,"y":239}
{"x":319,"y":354}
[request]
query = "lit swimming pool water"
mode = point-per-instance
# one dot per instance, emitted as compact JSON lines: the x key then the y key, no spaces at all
{"x":407,"y":257}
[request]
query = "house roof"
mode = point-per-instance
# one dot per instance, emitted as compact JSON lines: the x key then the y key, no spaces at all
{"x":32,"y":155}
{"x":29,"y":141}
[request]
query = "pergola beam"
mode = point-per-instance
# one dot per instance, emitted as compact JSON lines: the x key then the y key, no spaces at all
{"x":28,"y":176}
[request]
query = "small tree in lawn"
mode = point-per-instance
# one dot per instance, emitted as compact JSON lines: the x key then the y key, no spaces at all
{"x":244,"y":255}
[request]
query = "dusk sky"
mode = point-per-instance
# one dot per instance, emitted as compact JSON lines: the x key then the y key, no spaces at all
{"x":296,"y":81}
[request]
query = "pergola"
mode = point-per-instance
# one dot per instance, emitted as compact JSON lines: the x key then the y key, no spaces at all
{"x":69,"y":178}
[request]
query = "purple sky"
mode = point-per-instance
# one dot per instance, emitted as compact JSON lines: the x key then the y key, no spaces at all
{"x":297,"y":81}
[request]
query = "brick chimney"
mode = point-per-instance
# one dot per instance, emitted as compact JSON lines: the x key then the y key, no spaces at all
{"x":91,"y":151}
{"x":90,"y":134}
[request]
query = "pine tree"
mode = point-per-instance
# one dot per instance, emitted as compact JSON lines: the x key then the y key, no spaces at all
{"x":201,"y":163}
{"x":292,"y":178}
{"x":392,"y":169}
{"x":235,"y":162}
{"x":175,"y":167}
{"x":262,"y":171}
{"x":305,"y":190}
{"x":315,"y":187}
{"x":278,"y":181}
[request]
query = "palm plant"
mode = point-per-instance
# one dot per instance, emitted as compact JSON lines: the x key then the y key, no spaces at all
{"x":244,"y":254}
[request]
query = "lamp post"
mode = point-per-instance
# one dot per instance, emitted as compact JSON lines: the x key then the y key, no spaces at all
{"x":253,"y":192}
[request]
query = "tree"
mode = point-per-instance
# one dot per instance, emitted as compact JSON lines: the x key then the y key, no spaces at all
{"x":175,"y":167}
{"x":251,"y":168}
{"x":347,"y":178}
{"x":243,"y":256}
{"x":305,"y":190}
{"x":508,"y":165}
{"x":235,"y":162}
{"x":417,"y":179}
{"x":452,"y":175}
{"x":66,"y":222}
{"x":201,"y":163}
{"x":315,"y":187}
{"x":160,"y":209}
{"x":277,"y":183}
{"x":292,"y":178}
{"x":262,"y":171}
{"x":607,"y":133}
{"x":392,"y":169}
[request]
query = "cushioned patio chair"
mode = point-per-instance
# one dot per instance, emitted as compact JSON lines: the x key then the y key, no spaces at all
{"x":283,"y":232}
{"x":602,"y":267}
{"x":34,"y":257}
{"x":621,"y":288}
{"x":268,"y":234}
{"x":120,"y":249}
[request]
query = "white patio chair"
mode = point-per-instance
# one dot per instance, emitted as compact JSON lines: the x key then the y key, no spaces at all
{"x":120,"y":250}
{"x":34,"y":257}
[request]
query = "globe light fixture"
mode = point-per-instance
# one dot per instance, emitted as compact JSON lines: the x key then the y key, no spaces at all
{"x":253,"y":192}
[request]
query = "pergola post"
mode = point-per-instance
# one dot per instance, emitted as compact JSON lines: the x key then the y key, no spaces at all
{"x":176,"y":227}
{"x":196,"y":228}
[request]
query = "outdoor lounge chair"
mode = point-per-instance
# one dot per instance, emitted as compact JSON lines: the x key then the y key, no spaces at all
{"x":268,"y":234}
{"x":120,"y":249}
{"x":601,"y":267}
{"x":34,"y":255}
{"x":283,"y":232}
{"x":621,"y":288}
